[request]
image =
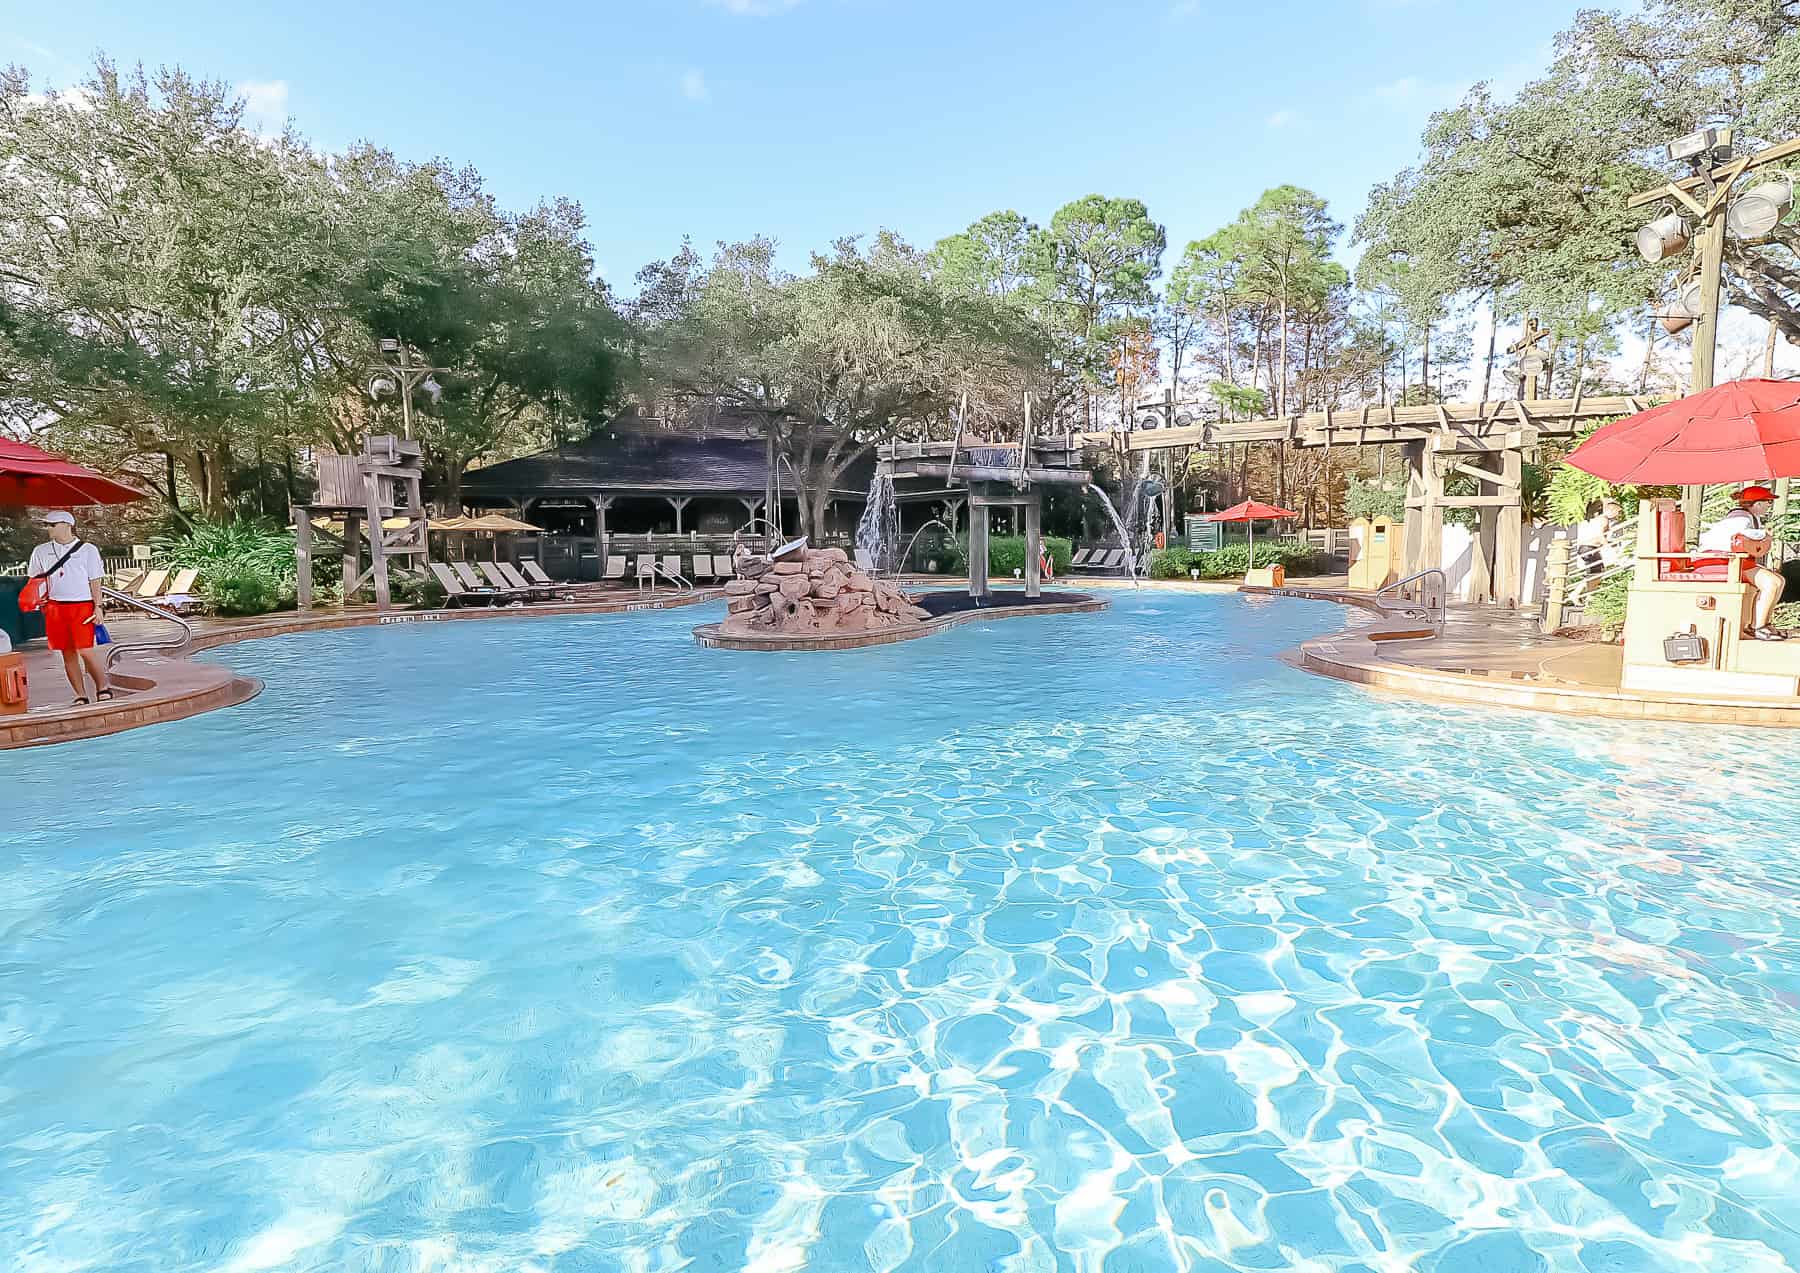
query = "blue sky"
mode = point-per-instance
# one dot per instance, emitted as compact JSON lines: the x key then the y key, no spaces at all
{"x":809,"y":119}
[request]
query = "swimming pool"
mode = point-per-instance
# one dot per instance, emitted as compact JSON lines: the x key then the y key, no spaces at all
{"x":1086,"y":943}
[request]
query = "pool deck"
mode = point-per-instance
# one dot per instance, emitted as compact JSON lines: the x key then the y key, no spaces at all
{"x":1491,"y":657}
{"x":152,"y":689}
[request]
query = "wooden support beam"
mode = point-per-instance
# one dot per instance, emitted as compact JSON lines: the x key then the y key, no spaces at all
{"x":303,"y":553}
{"x":377,"y":546}
{"x":1034,"y":545}
{"x":978,"y":550}
{"x":352,"y":555}
{"x":1482,"y":475}
{"x":1476,"y":501}
{"x":1509,"y":536}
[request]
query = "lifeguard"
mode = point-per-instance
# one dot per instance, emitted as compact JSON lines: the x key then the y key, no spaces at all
{"x":1742,"y":531}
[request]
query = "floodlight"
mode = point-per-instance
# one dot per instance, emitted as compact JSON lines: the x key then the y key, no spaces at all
{"x":382,"y":387}
{"x":389,"y":345}
{"x":433,"y":390}
{"x":1150,"y":420}
{"x":1184,"y":418}
{"x":1663,"y":237}
{"x":1754,"y":215}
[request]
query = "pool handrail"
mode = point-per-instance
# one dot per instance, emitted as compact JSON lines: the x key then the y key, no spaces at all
{"x":1431,"y":603}
{"x":176,"y":646}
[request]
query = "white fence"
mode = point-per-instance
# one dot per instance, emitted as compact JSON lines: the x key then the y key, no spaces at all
{"x":112,"y":566}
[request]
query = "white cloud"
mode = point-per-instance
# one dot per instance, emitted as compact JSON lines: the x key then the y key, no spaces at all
{"x":693,"y":85}
{"x":1282,"y":119}
{"x":1184,"y":8}
{"x":265,"y":105}
{"x":755,"y":8}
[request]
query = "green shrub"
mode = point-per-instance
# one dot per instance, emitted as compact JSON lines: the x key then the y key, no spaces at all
{"x":1171,"y":563}
{"x":240,"y":589}
{"x":425,"y":591}
{"x":1006,"y":553}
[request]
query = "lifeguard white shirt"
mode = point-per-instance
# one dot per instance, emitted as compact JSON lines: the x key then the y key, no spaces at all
{"x":1739,"y":521}
{"x":74,"y":582}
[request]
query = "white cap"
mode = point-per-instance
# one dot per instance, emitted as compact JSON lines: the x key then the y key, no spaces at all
{"x":53,"y":518}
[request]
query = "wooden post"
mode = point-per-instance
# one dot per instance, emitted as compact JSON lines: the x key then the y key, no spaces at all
{"x":1431,"y":513}
{"x":678,"y":503}
{"x":377,"y":541}
{"x":600,"y":502}
{"x":1556,"y":584}
{"x":1509,"y":542}
{"x":303,"y":545}
{"x":1482,"y":563}
{"x":1706,"y":339}
{"x":1034,"y":543}
{"x":1415,"y":514}
{"x":978,"y":549}
{"x":352,"y":553}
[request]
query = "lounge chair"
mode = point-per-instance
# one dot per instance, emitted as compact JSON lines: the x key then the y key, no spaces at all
{"x":702,"y":567}
{"x":1115,"y":560}
{"x":474,"y":583}
{"x":646,"y":569}
{"x":150,"y":586}
{"x":615,"y":568}
{"x":1080,"y":558}
{"x":456,"y":592}
{"x":723,"y":566}
{"x":542,"y":591}
{"x":534,"y":573}
{"x":180,"y":597}
{"x":490,"y":572}
{"x":671,"y":568}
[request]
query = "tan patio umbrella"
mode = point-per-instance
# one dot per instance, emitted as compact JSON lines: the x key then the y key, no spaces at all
{"x":502,"y":523}
{"x":498,"y":524}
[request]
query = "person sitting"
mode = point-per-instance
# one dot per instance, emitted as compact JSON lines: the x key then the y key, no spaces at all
{"x":1742,"y":530}
{"x":1596,"y":544}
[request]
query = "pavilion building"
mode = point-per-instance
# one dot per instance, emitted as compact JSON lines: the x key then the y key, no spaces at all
{"x":637,"y":485}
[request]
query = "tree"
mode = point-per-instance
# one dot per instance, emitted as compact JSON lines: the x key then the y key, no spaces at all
{"x":865,"y":347}
{"x":1096,"y":261}
{"x":142,"y":234}
{"x":183,"y":295}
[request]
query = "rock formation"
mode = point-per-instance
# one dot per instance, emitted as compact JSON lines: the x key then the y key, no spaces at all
{"x":808,"y":592}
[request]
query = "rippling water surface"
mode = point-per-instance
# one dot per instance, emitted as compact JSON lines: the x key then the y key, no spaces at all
{"x":1090,"y":943}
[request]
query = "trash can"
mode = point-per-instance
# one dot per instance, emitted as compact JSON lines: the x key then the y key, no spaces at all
{"x":19,"y":627}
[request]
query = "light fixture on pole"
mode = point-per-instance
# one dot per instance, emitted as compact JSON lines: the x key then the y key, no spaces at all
{"x":1664,"y":237}
{"x":396,"y":374}
{"x":1753,"y":216}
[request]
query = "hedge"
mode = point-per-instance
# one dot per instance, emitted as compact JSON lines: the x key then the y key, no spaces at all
{"x":1233,"y":559}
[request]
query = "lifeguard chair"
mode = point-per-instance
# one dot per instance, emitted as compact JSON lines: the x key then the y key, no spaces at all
{"x":1680,"y":592}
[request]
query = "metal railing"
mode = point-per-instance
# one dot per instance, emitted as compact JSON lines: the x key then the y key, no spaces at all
{"x":1432,"y":589}
{"x":177,"y":645}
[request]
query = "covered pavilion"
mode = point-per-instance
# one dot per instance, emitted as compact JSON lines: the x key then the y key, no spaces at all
{"x":637,"y":485}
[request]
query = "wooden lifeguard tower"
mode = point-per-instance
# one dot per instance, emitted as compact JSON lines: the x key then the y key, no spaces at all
{"x":379,"y":490}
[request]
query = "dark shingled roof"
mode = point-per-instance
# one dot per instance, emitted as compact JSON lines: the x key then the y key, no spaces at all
{"x":633,"y":456}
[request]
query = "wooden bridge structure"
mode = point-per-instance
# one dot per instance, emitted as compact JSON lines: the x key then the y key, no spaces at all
{"x":1487,"y":441}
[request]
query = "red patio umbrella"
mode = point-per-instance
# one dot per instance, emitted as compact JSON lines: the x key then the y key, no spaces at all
{"x":1252,"y":512}
{"x":37,"y":478}
{"x":1737,"y":432}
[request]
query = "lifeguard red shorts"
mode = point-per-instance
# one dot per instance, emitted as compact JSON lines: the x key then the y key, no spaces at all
{"x":66,"y":625}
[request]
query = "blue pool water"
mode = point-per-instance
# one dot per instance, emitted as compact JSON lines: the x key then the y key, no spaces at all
{"x":1085,"y":943}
